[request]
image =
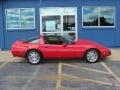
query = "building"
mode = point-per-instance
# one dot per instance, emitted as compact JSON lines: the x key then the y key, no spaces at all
{"x":97,"y":20}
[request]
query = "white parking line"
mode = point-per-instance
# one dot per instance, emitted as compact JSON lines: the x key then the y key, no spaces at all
{"x":89,"y":69}
{"x":59,"y":77}
{"x":3,"y":64}
{"x":75,"y":78}
{"x":30,"y":80}
{"x":45,"y":77}
{"x":110,"y":71}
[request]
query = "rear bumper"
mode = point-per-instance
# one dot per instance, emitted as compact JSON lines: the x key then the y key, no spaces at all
{"x":18,"y":52}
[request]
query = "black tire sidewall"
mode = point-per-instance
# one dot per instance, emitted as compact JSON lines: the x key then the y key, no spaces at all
{"x":29,"y":60}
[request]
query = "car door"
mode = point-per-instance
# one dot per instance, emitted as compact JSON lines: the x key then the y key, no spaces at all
{"x":54,"y":47}
{"x":50,"y":48}
{"x":66,"y":51}
{"x":78,"y":50}
{"x":70,"y":50}
{"x":50,"y":51}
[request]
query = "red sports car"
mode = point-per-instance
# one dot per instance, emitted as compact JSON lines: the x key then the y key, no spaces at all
{"x":53,"y":47}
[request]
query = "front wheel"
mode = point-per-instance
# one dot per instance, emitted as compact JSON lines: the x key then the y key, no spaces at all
{"x":92,"y":56}
{"x":33,"y":57}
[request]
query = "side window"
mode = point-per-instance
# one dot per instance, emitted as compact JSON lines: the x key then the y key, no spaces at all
{"x":20,"y":18}
{"x":98,"y":16}
{"x":53,"y":40}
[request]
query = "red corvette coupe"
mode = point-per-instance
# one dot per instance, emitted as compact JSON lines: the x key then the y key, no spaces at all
{"x":53,"y":46}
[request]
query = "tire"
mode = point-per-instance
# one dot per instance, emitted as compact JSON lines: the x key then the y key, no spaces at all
{"x":33,"y":57}
{"x":92,"y":56}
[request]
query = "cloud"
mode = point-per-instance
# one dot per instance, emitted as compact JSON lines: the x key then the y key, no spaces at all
{"x":107,"y":12}
{"x":27,"y":17}
{"x":92,"y":15}
{"x":13,"y":15}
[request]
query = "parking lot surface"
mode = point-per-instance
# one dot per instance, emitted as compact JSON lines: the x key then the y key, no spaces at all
{"x":60,"y":75}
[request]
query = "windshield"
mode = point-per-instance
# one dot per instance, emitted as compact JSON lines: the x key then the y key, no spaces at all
{"x":69,"y":40}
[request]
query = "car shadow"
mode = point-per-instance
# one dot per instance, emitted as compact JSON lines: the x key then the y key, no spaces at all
{"x":56,"y":61}
{"x":71,"y":61}
{"x":63,"y":61}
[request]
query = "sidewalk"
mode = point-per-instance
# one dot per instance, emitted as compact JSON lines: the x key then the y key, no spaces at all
{"x":6,"y":56}
{"x":115,"y":54}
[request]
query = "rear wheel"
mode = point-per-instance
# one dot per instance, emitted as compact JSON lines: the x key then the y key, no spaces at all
{"x":33,"y":57}
{"x":92,"y":56}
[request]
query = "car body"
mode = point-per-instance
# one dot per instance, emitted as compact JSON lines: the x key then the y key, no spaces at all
{"x":52,"y":47}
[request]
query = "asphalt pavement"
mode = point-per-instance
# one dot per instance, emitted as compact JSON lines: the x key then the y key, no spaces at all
{"x":17,"y":74}
{"x":60,"y":75}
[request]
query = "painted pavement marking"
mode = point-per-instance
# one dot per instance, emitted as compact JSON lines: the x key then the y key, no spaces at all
{"x":94,"y":70}
{"x":50,"y":77}
{"x":3,"y":64}
{"x":89,"y":69}
{"x":59,"y":77}
{"x":110,"y":71}
{"x":75,"y":78}
{"x":31,"y":79}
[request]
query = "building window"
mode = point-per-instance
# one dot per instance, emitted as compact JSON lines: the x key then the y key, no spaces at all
{"x":103,"y":16}
{"x":51,"y":24}
{"x":20,"y":18}
{"x":69,"y":23}
{"x":59,"y":21}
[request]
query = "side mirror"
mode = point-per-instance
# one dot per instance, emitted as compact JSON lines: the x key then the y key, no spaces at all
{"x":64,"y":44}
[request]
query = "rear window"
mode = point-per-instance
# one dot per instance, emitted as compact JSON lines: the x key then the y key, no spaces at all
{"x":33,"y":40}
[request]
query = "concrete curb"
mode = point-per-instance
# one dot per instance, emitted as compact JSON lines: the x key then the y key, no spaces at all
{"x":6,"y":56}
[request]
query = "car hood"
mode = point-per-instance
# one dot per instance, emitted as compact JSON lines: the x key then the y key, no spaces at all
{"x":85,"y":41}
{"x":89,"y":43}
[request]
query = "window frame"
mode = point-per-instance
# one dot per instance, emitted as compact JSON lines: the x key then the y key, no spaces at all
{"x":99,"y":13}
{"x":19,"y":9}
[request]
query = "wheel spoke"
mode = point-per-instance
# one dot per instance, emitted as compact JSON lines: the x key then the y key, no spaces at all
{"x":33,"y":57}
{"x":92,"y":56}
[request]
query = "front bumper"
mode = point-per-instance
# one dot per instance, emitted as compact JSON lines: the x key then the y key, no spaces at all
{"x":106,"y":53}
